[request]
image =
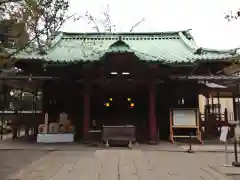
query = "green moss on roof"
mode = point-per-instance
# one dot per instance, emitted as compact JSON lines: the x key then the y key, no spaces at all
{"x":166,"y":47}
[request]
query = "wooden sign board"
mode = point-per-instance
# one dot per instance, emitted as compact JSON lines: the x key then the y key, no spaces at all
{"x":187,"y":118}
{"x":184,"y":117}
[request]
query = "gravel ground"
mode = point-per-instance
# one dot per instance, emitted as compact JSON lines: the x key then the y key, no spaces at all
{"x":12,"y":161}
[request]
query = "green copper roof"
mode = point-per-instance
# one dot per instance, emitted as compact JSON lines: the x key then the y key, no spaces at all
{"x":165,"y":47}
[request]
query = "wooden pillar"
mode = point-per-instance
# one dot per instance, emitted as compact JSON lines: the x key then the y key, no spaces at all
{"x":152,"y":114}
{"x":86,"y":112}
{"x":226,"y":115}
{"x":206,"y":115}
{"x":212,"y":103}
{"x":208,"y":104}
{"x":218,"y":103}
{"x":236,"y":104}
{"x":237,"y":107}
{"x":234,"y":107}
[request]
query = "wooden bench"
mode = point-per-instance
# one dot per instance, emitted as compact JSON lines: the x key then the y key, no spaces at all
{"x":119,"y":134}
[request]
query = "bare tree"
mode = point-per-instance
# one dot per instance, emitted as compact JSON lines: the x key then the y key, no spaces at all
{"x":232,"y":15}
{"x":105,"y":23}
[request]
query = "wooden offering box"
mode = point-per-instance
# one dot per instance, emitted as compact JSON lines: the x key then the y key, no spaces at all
{"x":119,"y":134}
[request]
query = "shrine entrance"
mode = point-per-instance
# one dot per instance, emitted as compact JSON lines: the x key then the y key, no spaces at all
{"x":119,"y":108}
{"x":125,"y":105}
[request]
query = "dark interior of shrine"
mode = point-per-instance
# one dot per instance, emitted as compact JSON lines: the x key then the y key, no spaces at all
{"x":119,"y":103}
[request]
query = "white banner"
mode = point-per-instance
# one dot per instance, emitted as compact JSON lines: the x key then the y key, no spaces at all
{"x":224,"y":133}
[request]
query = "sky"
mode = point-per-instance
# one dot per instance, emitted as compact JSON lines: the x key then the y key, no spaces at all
{"x":205,"y":17}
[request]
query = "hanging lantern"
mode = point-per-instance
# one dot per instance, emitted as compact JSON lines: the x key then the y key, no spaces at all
{"x":107,"y":104}
{"x":129,"y":99}
{"x":132,"y":105}
{"x":110,"y":99}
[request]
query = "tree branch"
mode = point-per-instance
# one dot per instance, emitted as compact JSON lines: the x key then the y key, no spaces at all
{"x":137,"y":24}
{"x":20,"y":49}
{"x":232,"y":16}
{"x":92,"y":20}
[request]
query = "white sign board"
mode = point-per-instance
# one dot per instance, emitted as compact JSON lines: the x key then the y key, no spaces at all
{"x":184,"y":117}
{"x":224,"y":133}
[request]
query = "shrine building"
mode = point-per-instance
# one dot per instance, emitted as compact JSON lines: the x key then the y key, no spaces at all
{"x":125,"y":78}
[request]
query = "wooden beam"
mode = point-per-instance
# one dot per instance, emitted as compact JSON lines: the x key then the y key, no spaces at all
{"x":206,"y":78}
{"x":18,"y":77}
{"x":108,"y":80}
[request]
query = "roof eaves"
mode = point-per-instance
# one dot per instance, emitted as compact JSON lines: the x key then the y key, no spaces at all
{"x":180,"y":62}
{"x":228,"y":51}
{"x":218,"y":59}
{"x":121,"y":33}
{"x":193,"y":45}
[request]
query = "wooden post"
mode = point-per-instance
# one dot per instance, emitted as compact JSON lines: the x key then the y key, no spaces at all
{"x":170,"y":126}
{"x":234,"y":107}
{"x":206,"y":114}
{"x":208,"y":104}
{"x":237,"y":103}
{"x":219,"y":105}
{"x":152,"y":114}
{"x":212,"y":104}
{"x":226,"y":115}
{"x":36,"y":124}
{"x":86,"y":113}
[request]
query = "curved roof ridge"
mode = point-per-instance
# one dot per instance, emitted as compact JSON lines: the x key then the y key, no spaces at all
{"x":193,"y":45}
{"x":56,"y":40}
{"x":123,"y":33}
{"x":190,"y":43}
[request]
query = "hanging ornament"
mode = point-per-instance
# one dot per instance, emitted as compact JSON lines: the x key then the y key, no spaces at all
{"x":107,"y":104}
{"x":182,"y":100}
{"x":132,"y":105}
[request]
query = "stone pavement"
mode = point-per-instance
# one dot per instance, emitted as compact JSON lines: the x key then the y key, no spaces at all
{"x":20,"y":145}
{"x":162,"y":146}
{"x":124,"y":164}
{"x":217,"y":160}
{"x":12,"y":161}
